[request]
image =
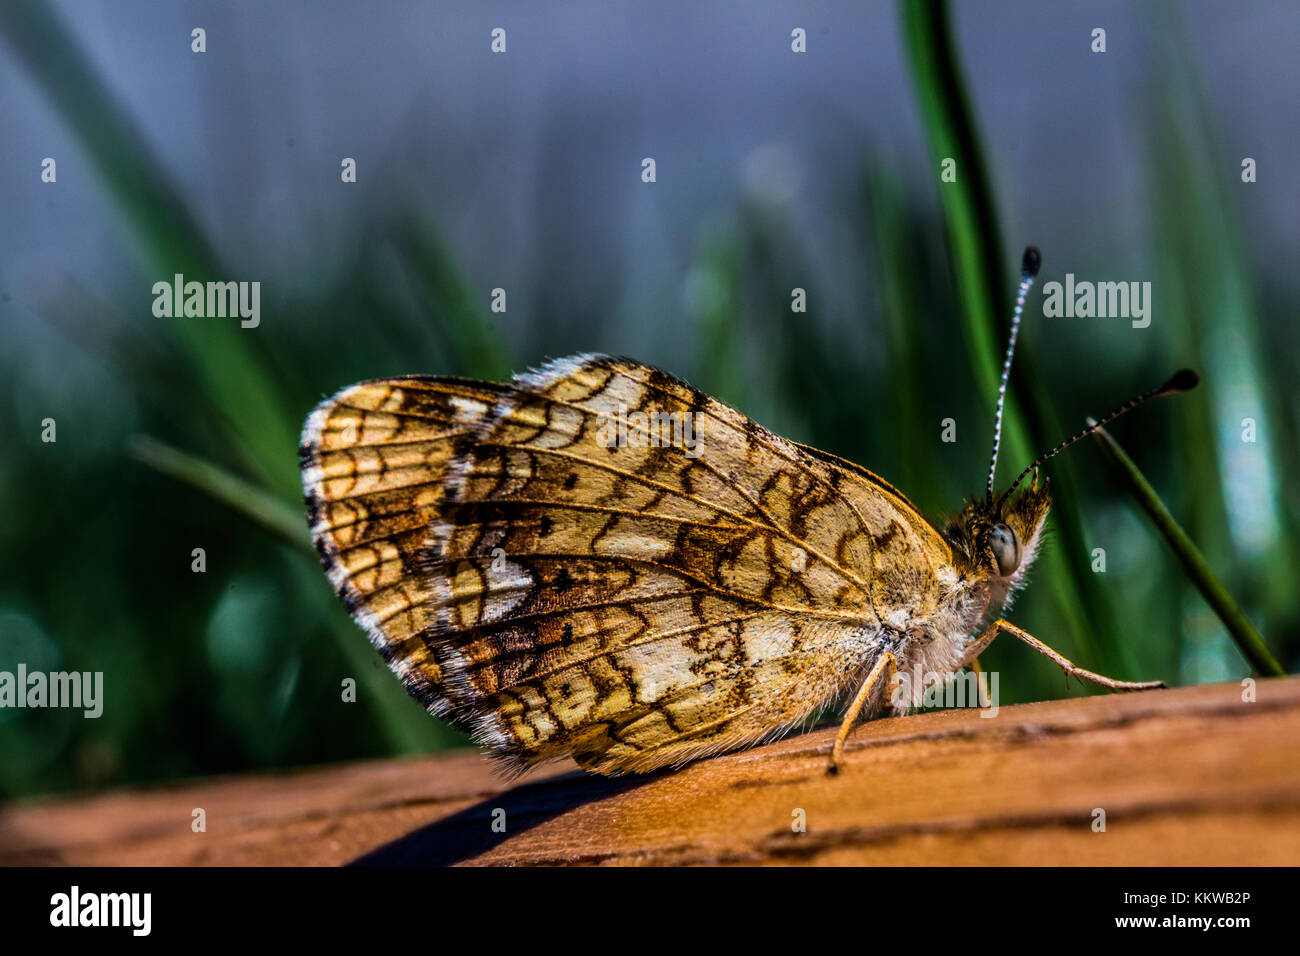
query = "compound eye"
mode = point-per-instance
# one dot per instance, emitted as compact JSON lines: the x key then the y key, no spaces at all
{"x":1006,"y":549}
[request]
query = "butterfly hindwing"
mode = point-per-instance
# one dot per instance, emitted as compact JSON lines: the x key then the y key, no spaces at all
{"x":374,"y":459}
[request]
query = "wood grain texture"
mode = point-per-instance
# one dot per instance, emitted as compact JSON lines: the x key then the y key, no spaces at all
{"x":1192,"y":776}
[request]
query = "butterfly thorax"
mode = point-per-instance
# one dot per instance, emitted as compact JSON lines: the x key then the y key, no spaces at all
{"x":991,"y":546}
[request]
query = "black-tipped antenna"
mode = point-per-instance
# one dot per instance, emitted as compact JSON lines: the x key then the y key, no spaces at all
{"x":1182,"y":381}
{"x":1029,"y":267}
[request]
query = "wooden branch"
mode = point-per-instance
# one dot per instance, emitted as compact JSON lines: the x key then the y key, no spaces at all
{"x":1191,"y":776}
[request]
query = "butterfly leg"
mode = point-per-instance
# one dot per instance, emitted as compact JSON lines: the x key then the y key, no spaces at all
{"x":886,"y":665}
{"x":1000,"y":627}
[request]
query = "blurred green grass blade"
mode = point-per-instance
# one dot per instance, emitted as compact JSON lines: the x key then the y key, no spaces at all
{"x":453,"y":305}
{"x":239,"y":495}
{"x":715,"y":301}
{"x":967,"y":203}
{"x":1212,"y":283}
{"x":805,"y":365}
{"x":892,"y":248}
{"x":976,"y":245}
{"x":1243,"y":632}
{"x":165,"y":234}
{"x":405,"y":728}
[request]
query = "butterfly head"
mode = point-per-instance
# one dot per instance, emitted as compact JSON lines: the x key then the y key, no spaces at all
{"x":998,"y":539}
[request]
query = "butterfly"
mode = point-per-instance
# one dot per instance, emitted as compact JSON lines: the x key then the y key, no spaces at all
{"x":597,"y":560}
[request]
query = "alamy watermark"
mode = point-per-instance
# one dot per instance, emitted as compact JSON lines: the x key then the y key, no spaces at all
{"x":38,"y":689}
{"x":210,"y":300}
{"x":917,"y":688}
{"x":133,"y":911}
{"x":1101,"y":300}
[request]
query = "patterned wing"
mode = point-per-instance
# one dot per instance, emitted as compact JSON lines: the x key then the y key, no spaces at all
{"x":623,"y":569}
{"x":374,"y":458}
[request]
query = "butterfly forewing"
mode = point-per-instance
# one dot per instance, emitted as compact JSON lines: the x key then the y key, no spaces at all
{"x":602,"y":561}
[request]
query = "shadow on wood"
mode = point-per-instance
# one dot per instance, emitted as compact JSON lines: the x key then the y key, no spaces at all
{"x":469,"y":833}
{"x":1192,"y":776}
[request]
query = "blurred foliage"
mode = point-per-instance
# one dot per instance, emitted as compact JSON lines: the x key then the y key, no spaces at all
{"x":241,"y":667}
{"x":1240,"y":628}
